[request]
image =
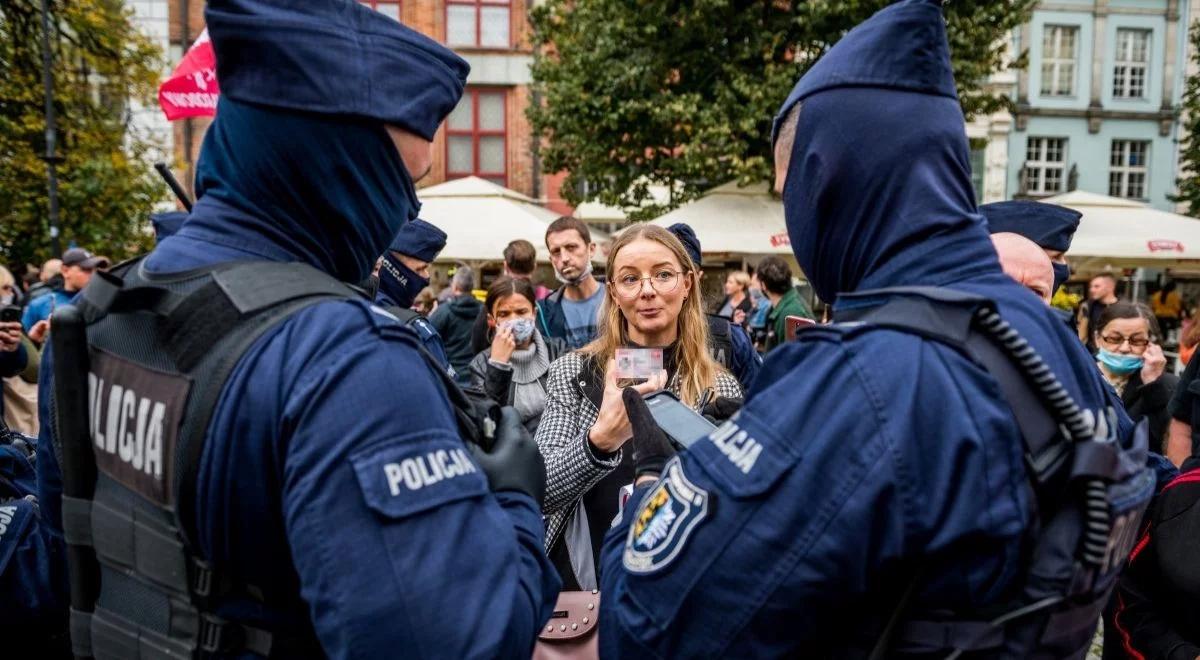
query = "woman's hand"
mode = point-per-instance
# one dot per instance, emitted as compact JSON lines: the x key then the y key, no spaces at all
{"x":739,"y":316}
{"x":503,"y":344}
{"x":612,"y":428}
{"x":1153,"y":363}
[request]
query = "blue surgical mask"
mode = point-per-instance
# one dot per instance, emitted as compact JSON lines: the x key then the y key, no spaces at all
{"x":522,"y":329}
{"x":1119,"y":364}
{"x":399,"y":282}
{"x":1062,"y":273}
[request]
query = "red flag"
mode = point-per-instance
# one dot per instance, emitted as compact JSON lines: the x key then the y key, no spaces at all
{"x":192,"y":91}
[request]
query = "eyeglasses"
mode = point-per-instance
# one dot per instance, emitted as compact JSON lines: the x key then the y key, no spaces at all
{"x":663,"y":281}
{"x":1117,"y":340}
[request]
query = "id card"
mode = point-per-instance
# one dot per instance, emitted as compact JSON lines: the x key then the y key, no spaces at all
{"x":637,"y":365}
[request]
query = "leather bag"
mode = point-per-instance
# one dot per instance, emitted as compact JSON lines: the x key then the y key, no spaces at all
{"x":571,"y":631}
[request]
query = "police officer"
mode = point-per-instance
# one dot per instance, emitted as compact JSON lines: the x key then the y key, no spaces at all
{"x":404,"y":273}
{"x":727,"y":341}
{"x":874,"y":485}
{"x":327,"y":505}
{"x":1049,"y":225}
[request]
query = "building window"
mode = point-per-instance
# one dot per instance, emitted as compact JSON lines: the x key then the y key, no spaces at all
{"x":1045,"y":163}
{"x":1132,"y":59}
{"x":1058,"y":59}
{"x":1127,"y":168}
{"x":476,"y":137}
{"x":389,"y":9}
{"x":480,"y":23}
{"x":978,"y":166}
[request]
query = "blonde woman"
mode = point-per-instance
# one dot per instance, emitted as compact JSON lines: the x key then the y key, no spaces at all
{"x":737,"y":304}
{"x":652,"y":300}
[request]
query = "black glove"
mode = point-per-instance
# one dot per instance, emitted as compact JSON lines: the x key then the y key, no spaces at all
{"x":651,"y":447}
{"x":514,"y":462}
{"x":721,"y":408}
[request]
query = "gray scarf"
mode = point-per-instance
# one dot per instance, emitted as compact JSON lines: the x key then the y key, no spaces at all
{"x":528,"y":365}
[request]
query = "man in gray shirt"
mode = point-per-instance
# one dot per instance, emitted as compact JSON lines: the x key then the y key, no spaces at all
{"x":571,"y":312}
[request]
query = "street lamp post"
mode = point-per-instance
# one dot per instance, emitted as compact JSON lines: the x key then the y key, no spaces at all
{"x":50,"y":156}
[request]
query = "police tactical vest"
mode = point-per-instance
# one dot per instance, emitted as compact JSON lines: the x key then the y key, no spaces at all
{"x":1090,"y":492}
{"x":720,"y":340}
{"x":159,"y":351}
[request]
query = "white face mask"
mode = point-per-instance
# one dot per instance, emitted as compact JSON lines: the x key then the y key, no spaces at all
{"x":587,"y":270}
{"x":6,"y":298}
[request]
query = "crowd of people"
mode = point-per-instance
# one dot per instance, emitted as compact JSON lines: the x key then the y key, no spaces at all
{"x":271,"y":436}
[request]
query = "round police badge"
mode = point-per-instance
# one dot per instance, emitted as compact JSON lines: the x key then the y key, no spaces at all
{"x":665,"y":519}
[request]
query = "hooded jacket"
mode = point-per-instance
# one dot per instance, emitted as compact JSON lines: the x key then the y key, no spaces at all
{"x":291,"y":494}
{"x":453,"y":322}
{"x":859,"y":453}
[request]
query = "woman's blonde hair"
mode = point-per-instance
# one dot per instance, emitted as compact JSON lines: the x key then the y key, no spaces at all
{"x":741,"y":278}
{"x":7,"y":278}
{"x":696,"y":369}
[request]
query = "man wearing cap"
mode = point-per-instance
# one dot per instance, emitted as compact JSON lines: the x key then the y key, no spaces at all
{"x":330,"y":505}
{"x":403,"y":273}
{"x":874,"y":484}
{"x":77,"y":267}
{"x":1050,"y":226}
{"x":727,"y":342}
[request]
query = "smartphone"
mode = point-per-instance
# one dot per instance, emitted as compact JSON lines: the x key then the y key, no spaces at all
{"x":682,"y":425}
{"x":10,"y":314}
{"x":795,"y":324}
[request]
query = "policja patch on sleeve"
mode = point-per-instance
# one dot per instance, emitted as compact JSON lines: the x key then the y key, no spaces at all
{"x":665,"y":519}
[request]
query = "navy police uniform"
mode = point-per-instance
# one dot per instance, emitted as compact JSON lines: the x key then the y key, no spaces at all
{"x":728,"y":342}
{"x":1050,"y":226}
{"x":399,"y":284}
{"x":332,"y":478}
{"x":867,"y":463}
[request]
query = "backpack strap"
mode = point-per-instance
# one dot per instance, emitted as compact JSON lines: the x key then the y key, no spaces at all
{"x":405,"y":314}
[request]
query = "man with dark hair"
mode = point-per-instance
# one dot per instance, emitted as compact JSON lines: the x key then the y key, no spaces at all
{"x":572,"y":311}
{"x":1102,"y":292}
{"x":727,"y":342}
{"x":776,"y":278}
{"x":77,"y":266}
{"x":454,"y":319}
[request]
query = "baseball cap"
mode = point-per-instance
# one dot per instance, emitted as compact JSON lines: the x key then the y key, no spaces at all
{"x":84,"y":259}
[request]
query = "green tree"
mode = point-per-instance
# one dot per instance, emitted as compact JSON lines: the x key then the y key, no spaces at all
{"x":1189,"y":148}
{"x":681,"y":92}
{"x":107,"y":186}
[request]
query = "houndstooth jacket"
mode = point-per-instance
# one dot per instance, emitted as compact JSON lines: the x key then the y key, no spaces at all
{"x":571,"y":467}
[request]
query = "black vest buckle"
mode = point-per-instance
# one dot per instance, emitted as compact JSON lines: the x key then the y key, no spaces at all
{"x":218,"y":635}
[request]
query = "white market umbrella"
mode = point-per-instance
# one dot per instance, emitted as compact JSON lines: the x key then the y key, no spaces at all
{"x":735,"y":220}
{"x":480,"y":218}
{"x":1122,"y":233}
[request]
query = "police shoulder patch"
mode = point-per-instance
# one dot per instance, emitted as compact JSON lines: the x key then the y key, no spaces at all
{"x":667,"y":516}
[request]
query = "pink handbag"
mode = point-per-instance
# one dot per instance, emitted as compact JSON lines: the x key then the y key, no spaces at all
{"x":571,"y":631}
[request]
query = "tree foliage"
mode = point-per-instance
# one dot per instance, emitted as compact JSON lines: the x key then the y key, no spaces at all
{"x":681,"y":93}
{"x":107,"y":185}
{"x":1189,"y":148}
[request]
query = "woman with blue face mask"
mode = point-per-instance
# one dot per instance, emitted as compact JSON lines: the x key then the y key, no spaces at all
{"x":1131,"y":360}
{"x":513,"y":371}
